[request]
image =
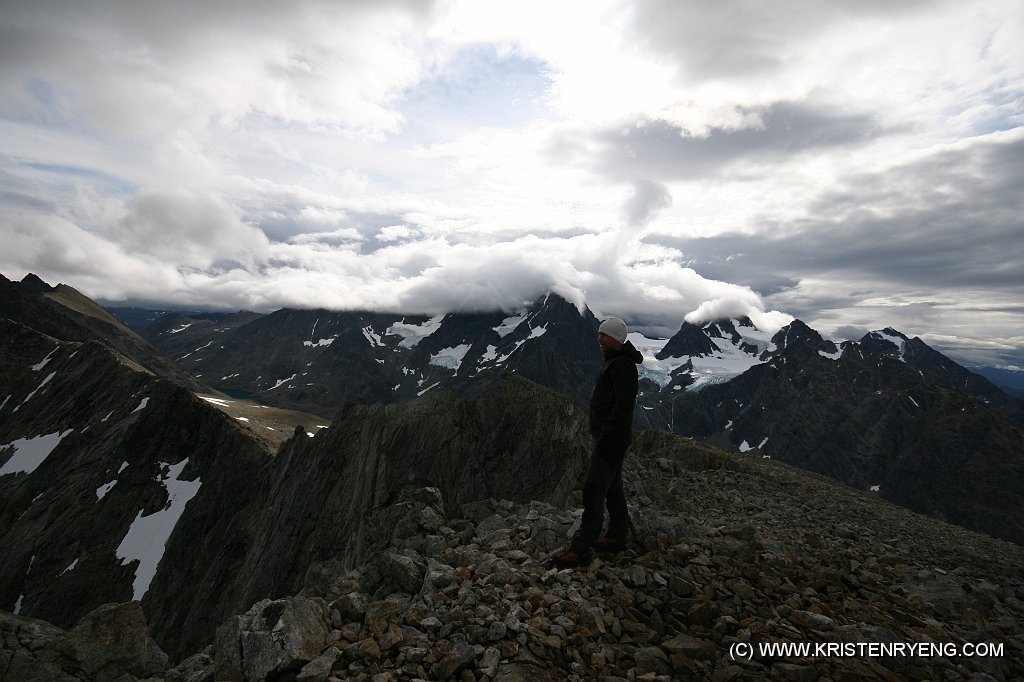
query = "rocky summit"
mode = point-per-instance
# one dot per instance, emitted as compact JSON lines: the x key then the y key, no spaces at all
{"x":730,"y":552}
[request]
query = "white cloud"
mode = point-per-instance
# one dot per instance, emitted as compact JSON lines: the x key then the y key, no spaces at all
{"x":342,"y":154}
{"x":190,"y":229}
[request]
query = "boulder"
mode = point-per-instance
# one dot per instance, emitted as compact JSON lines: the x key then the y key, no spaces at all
{"x":112,"y":640}
{"x":272,"y":638}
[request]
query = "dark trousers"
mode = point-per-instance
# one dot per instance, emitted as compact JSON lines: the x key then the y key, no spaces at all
{"x":603,"y":487}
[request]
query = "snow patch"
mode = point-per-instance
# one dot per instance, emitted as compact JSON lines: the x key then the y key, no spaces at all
{"x":42,"y":363}
{"x":450,"y":358}
{"x":71,"y":567}
{"x":181,"y":329}
{"x":29,"y":396}
{"x":321,"y":342}
{"x":373,"y":337}
{"x":29,"y":453}
{"x":745,"y":447}
{"x":242,"y":419}
{"x":4,"y":402}
{"x":876,"y":488}
{"x":102,"y":491}
{"x":412,"y":334}
{"x":491,"y":354}
{"x":434,"y":385}
{"x":831,"y":356}
{"x":914,"y":401}
{"x":147,"y":537}
{"x":217,"y":401}
{"x":142,"y":405}
{"x":281,"y":382}
{"x":762,"y":443}
{"x":509,"y":324}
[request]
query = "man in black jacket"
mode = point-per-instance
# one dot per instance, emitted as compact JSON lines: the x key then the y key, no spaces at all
{"x":611,"y":426}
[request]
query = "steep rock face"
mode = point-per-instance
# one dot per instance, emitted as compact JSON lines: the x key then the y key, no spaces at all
{"x":64,"y":313}
{"x":101,"y":464}
{"x":316,"y":360}
{"x":873,"y":422}
{"x":321,"y":497}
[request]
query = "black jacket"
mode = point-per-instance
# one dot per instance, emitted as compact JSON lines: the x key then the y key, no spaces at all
{"x":611,"y":405}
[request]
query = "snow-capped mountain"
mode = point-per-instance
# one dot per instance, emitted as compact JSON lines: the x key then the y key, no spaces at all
{"x":886,"y":414}
{"x":699,"y":355}
{"x":316,"y":360}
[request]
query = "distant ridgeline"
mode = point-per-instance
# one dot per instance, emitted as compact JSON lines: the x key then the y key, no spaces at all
{"x":886,"y":414}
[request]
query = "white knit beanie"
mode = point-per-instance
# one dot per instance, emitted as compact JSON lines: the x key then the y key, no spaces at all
{"x":615,"y":328}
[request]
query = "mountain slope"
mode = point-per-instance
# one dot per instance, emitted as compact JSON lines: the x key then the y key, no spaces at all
{"x":100,"y":464}
{"x":873,"y":422}
{"x":316,"y":360}
{"x":63,"y":312}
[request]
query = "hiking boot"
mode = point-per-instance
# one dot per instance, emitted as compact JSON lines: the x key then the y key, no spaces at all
{"x":612,"y":545}
{"x":573,"y":559}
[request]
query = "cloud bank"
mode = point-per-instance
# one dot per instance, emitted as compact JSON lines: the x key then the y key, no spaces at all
{"x":855,"y":165}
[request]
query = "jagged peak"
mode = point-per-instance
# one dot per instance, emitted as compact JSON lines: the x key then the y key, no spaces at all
{"x":887,"y":341}
{"x":32,"y":282}
{"x":798,"y":333}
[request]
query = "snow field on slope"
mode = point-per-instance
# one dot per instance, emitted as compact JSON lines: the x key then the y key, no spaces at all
{"x":450,"y":358}
{"x":412,"y":334}
{"x":147,"y":537}
{"x":29,"y":453}
{"x":719,"y":367}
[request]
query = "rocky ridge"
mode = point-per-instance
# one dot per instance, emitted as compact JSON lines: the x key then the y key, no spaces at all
{"x":731,"y":549}
{"x":65,"y":313}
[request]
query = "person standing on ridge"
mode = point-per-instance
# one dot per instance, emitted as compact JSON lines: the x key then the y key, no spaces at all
{"x":611,"y":427}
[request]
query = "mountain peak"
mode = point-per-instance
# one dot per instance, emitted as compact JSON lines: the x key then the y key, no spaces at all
{"x":32,"y":282}
{"x":798,"y":333}
{"x":887,"y":341}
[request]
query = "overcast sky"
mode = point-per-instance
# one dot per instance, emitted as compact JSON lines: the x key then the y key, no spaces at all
{"x":854,"y":164}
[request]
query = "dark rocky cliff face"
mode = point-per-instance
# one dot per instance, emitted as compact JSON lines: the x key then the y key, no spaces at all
{"x":99,"y":459}
{"x":319,"y":498}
